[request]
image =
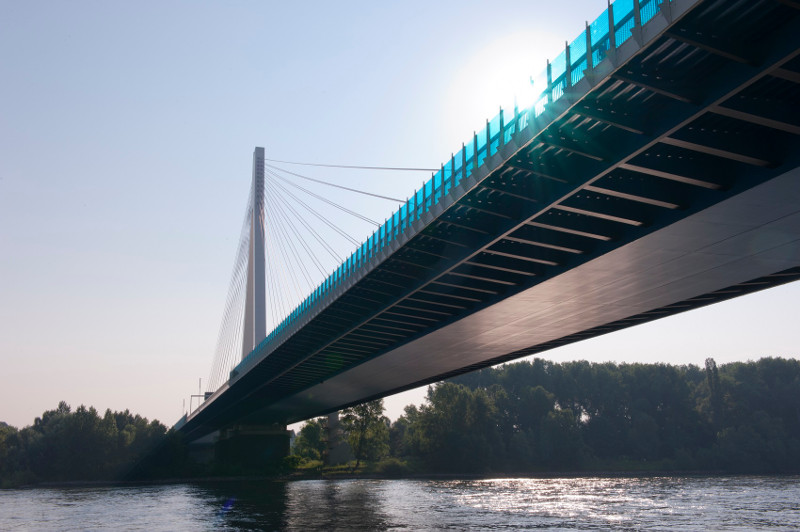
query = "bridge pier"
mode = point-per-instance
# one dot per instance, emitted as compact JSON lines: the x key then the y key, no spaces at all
{"x":244,"y":448}
{"x":338,"y":450}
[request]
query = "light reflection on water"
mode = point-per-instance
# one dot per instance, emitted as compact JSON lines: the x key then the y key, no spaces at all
{"x":658,"y":503}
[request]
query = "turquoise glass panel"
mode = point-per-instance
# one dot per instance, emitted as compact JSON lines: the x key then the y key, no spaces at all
{"x":481,"y":155}
{"x":578,"y":71}
{"x":558,"y":67}
{"x":623,"y":20}
{"x":577,"y":56}
{"x":510,"y":129}
{"x":481,"y":136}
{"x":469,"y":153}
{"x":494,"y":134}
{"x":458,"y":171}
{"x":428,"y":194}
{"x":577,"y":50}
{"x":598,"y":30}
{"x":436,"y":183}
{"x":622,"y":10}
{"x":648,"y":9}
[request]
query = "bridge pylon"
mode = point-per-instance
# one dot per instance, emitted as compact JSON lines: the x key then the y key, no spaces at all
{"x":255,"y":310}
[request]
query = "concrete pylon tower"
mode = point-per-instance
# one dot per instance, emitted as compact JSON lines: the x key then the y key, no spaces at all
{"x":255,"y":310}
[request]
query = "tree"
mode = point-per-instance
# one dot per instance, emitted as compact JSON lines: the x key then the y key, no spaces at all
{"x":310,"y":443}
{"x":367,"y":430}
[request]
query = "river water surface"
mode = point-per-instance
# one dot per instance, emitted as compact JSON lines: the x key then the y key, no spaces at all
{"x":656,"y":503}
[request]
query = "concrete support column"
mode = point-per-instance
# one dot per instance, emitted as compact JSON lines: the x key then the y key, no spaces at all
{"x":338,"y":450}
{"x":249,"y":448}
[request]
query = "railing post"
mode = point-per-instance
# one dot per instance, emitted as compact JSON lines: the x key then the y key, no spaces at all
{"x":589,"y":58}
{"x":464,"y":159}
{"x":568,"y":71}
{"x":612,"y":33}
{"x":549,"y":82}
{"x":516,"y":119}
{"x":502,"y":138}
{"x":474,"y":151}
{"x":488,"y":139}
{"x":637,"y":14}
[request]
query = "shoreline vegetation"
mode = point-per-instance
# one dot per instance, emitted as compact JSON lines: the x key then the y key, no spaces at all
{"x":534,"y":419}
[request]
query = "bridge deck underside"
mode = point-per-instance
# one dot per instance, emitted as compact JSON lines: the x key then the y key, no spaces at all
{"x":633,"y":175}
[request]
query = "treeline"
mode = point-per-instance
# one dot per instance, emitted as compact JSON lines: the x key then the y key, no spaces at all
{"x":541,"y":416}
{"x":66,"y":445}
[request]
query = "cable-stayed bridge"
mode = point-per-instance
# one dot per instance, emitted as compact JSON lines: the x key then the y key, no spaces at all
{"x":657,"y":172}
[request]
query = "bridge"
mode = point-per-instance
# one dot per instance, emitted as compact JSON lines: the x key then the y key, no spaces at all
{"x":656,"y":172}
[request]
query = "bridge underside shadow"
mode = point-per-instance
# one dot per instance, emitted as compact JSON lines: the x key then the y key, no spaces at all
{"x":665,"y":180}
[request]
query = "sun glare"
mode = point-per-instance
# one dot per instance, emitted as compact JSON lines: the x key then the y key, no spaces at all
{"x":499,"y":75}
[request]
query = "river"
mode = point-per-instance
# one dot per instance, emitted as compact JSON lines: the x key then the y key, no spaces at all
{"x":586,"y":503}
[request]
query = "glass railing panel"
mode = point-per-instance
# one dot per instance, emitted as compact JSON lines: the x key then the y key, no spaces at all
{"x":524,"y":118}
{"x":578,"y":71}
{"x":648,"y":9}
{"x":510,"y":129}
{"x":481,"y":140}
{"x":469,"y":153}
{"x":623,"y":20}
{"x":559,"y":66}
{"x":540,"y":89}
{"x":494,"y":134}
{"x":439,"y":179}
{"x":494,"y":126}
{"x":420,"y":202}
{"x":598,"y":31}
{"x":403,"y":216}
{"x":428,"y":194}
{"x":481,"y":155}
{"x":558,"y":89}
{"x":495,"y":144}
{"x":577,"y":51}
{"x":458,"y":170}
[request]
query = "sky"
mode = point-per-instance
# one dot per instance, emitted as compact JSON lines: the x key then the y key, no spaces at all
{"x":126,"y":139}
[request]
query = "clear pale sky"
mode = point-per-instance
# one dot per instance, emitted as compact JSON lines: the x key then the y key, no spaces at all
{"x":126,"y":137}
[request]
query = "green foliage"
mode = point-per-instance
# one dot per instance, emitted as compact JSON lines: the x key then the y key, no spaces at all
{"x":534,"y":416}
{"x":392,"y":467}
{"x":367,"y":430}
{"x":310,"y":443}
{"x":65,"y":445}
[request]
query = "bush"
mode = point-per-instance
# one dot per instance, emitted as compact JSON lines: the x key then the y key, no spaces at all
{"x":392,"y":467}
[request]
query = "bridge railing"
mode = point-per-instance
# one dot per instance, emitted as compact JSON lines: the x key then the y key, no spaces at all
{"x":609,"y":31}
